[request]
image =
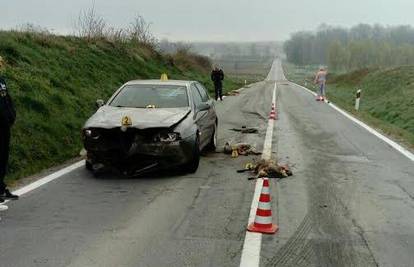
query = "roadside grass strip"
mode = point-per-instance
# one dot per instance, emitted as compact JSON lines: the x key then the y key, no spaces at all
{"x":387,"y":140}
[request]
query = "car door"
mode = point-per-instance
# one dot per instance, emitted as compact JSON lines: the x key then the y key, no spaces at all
{"x":212,"y":117}
{"x":200,"y":115}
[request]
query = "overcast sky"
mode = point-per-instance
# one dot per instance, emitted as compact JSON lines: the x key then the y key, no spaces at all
{"x":213,"y":20}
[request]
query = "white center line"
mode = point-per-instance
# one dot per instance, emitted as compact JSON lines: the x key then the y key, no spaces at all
{"x":253,"y":241}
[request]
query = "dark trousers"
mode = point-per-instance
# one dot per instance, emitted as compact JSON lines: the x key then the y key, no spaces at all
{"x":219,"y":92}
{"x":4,"y":154}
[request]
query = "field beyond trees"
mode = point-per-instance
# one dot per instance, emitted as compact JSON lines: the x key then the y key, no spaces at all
{"x":55,"y":81}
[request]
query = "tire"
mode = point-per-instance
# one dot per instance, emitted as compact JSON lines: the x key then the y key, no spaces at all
{"x":88,"y":165}
{"x":212,"y":145}
{"x":192,"y":165}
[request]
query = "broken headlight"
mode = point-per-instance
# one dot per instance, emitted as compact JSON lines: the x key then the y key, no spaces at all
{"x":167,"y":137}
{"x":90,"y":133}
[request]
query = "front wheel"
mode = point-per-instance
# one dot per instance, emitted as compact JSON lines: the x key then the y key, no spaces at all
{"x":88,"y":165}
{"x":212,"y":145}
{"x":95,"y":168}
{"x":192,"y":165}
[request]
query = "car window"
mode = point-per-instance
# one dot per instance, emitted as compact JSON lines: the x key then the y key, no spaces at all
{"x":156,"y":96}
{"x":203,"y":93}
{"x":196,"y":95}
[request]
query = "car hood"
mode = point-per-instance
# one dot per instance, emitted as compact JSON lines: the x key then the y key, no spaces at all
{"x":108,"y":117}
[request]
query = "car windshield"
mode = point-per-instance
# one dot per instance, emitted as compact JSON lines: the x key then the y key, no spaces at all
{"x":151,"y":96}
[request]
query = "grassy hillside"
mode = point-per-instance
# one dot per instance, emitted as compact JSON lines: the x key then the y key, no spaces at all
{"x":55,"y":81}
{"x":387,"y":101}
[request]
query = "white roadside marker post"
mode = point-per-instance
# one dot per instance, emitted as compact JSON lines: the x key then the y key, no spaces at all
{"x":358,"y":99}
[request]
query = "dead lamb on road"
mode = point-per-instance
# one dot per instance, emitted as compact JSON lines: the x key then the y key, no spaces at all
{"x":240,"y":149}
{"x":268,"y":168}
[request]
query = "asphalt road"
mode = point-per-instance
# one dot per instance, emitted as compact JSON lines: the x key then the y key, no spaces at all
{"x":349,"y":203}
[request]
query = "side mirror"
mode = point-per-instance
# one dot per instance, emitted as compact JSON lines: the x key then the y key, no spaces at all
{"x":99,"y":103}
{"x":203,"y":107}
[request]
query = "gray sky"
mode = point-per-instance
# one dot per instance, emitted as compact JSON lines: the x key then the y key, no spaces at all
{"x":213,"y":20}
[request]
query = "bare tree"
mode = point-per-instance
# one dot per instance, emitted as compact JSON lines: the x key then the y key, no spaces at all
{"x":166,"y":46}
{"x":116,"y":35}
{"x":32,"y":28}
{"x":139,"y":31}
{"x":90,"y":25}
{"x":183,"y":48}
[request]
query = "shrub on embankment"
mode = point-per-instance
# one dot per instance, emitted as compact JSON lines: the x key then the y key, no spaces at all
{"x":55,"y":81}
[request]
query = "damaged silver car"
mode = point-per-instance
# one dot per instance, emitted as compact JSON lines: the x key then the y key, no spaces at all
{"x":149,"y":125}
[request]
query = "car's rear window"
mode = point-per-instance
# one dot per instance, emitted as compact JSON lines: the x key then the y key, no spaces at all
{"x":155,"y":96}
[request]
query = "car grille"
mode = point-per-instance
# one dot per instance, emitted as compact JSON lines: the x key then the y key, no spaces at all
{"x":117,"y":140}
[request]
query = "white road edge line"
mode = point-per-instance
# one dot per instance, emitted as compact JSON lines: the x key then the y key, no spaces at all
{"x":387,"y":140}
{"x":250,"y":256}
{"x":48,"y":179}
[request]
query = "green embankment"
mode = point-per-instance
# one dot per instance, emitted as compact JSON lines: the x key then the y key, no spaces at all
{"x":387,"y":101}
{"x":56,"y":80}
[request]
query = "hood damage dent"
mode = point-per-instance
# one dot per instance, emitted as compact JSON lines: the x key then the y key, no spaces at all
{"x":109,"y":117}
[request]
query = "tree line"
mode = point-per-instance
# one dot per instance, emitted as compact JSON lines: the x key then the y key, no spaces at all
{"x":92,"y":27}
{"x":358,"y":47}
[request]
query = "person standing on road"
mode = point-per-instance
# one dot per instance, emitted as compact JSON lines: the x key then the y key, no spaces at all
{"x":217,"y":76}
{"x":7,"y":118}
{"x":320,"y":80}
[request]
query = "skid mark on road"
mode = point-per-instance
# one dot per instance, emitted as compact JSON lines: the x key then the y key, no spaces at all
{"x":298,"y":249}
{"x":328,"y":235}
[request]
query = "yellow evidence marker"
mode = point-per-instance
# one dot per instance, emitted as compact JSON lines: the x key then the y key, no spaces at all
{"x":164,"y":77}
{"x":125,"y":122}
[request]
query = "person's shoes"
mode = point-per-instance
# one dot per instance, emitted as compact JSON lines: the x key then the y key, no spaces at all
{"x":3,"y":207}
{"x":8,"y":195}
{"x":2,"y":200}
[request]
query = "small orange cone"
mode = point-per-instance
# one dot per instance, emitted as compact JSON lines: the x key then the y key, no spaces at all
{"x":263,"y":221}
{"x":273,"y":113}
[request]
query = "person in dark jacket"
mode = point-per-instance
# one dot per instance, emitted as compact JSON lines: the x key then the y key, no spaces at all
{"x":217,"y":76}
{"x":7,"y":118}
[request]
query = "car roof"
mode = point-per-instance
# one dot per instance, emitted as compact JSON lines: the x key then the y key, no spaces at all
{"x":159,"y":82}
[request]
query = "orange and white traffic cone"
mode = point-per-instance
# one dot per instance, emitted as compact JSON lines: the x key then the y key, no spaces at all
{"x":273,"y":113}
{"x":263,"y":220}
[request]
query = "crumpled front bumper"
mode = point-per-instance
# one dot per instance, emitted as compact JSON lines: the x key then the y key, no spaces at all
{"x":140,"y":156}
